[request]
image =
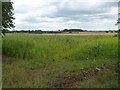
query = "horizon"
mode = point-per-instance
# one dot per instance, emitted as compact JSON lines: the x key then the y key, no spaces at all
{"x":62,"y":29}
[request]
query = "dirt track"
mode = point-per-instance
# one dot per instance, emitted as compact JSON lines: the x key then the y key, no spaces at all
{"x":70,"y":81}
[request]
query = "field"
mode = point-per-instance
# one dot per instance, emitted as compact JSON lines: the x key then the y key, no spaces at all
{"x":50,"y":61}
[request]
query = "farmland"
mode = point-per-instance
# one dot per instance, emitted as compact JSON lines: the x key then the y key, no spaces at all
{"x":50,"y":61}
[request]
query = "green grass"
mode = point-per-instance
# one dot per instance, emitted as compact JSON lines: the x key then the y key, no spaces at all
{"x":38,"y":60}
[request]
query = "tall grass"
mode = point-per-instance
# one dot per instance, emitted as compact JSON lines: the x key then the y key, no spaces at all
{"x":52,"y":55}
{"x":39,"y":46}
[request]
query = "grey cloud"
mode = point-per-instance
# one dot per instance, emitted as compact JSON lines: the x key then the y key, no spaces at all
{"x":31,"y":20}
{"x":70,"y":11}
{"x":79,"y":13}
{"x":110,"y":4}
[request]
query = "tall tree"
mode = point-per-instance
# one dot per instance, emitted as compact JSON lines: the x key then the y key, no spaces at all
{"x":7,"y":16}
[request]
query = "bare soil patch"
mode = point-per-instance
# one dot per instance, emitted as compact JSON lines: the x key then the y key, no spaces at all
{"x":69,"y":81}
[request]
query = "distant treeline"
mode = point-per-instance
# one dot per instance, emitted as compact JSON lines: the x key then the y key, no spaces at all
{"x":58,"y":31}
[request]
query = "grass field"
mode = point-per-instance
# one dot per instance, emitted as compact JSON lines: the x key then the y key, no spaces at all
{"x":49,"y":61}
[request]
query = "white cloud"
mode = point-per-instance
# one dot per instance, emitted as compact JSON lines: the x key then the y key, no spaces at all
{"x":60,"y":14}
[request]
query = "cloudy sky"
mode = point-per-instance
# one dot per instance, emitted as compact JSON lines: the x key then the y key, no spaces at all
{"x":65,"y":14}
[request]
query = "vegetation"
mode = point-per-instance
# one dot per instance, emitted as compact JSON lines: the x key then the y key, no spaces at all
{"x":76,"y":31}
{"x":7,"y":16}
{"x":43,"y":61}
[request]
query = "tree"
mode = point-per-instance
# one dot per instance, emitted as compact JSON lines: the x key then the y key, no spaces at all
{"x":7,"y":16}
{"x":118,"y":23}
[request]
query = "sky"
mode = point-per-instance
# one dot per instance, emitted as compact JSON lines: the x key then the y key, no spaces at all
{"x":52,"y":15}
